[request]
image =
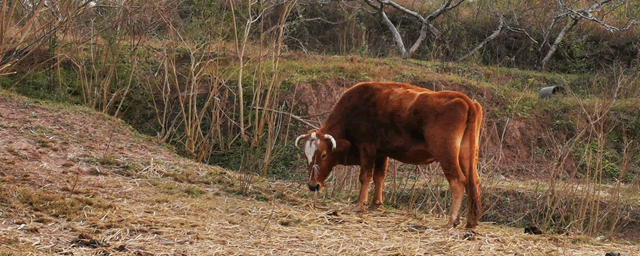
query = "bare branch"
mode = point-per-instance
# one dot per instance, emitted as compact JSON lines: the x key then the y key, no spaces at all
{"x":576,"y":15}
{"x":3,"y":67}
{"x":561,"y":8}
{"x":434,"y":30}
{"x":313,"y":19}
{"x":455,"y":5}
{"x":493,"y":36}
{"x":419,"y":17}
{"x":359,"y":7}
{"x":501,"y":27}
{"x":559,"y":39}
{"x":297,"y":21}
{"x":370,"y":3}
{"x":418,"y":42}
{"x":523,"y":31}
{"x":588,"y":16}
{"x":300,"y":43}
{"x":445,"y":7}
{"x":425,"y":22}
{"x":291,"y":115}
{"x":403,"y":9}
{"x":597,"y":6}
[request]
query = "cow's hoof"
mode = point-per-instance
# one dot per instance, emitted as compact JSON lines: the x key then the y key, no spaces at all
{"x":471,"y":226}
{"x":451,"y":224}
{"x":375,"y":207}
{"x":359,"y":207}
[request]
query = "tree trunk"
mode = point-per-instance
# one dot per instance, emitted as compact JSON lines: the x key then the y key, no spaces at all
{"x":558,"y":40}
{"x":426,"y":23}
{"x":396,"y":35}
{"x":495,"y":34}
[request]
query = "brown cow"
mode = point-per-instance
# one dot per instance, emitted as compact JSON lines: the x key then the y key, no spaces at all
{"x":373,"y":122}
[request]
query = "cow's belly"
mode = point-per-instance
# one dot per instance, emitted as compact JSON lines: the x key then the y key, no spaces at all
{"x":413,"y":155}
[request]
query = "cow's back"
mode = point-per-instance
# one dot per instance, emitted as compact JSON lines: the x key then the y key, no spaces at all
{"x":377,"y":111}
{"x":391,"y":115}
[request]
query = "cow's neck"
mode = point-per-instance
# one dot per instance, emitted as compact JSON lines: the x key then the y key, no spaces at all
{"x":337,"y":131}
{"x":334,"y":128}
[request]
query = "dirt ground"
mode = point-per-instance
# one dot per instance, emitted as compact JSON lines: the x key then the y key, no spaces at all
{"x":77,"y":182}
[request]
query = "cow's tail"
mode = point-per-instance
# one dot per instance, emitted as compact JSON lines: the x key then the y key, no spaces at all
{"x":472,"y":139}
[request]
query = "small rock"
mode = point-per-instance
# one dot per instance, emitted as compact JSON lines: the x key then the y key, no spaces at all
{"x":470,"y":235}
{"x":335,"y":213}
{"x":122,"y":248}
{"x":87,"y":240}
{"x":532,"y":230}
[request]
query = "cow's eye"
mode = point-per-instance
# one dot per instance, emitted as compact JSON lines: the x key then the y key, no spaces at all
{"x":324,"y":155}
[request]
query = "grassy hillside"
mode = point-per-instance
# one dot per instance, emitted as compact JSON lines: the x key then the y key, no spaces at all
{"x":575,"y":152}
{"x":74,"y":181}
{"x":586,"y":138}
{"x":167,"y":125}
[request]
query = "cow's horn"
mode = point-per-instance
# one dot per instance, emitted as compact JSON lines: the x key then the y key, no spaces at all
{"x":333,"y":141}
{"x":298,"y":140}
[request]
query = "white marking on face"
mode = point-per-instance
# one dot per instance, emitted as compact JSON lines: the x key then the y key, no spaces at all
{"x":311,"y":146}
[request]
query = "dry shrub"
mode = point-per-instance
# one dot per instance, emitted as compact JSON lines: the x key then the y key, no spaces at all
{"x":593,"y":199}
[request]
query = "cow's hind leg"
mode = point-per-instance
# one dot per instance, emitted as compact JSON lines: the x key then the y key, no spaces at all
{"x":379,"y":174}
{"x":457,"y":180}
{"x":474,"y":205}
{"x":445,"y":138}
{"x":456,"y":185}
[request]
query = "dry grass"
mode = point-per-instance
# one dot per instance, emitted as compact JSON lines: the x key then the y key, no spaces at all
{"x":77,"y":182}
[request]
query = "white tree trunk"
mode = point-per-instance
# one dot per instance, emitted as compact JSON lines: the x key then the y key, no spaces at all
{"x":495,"y":34}
{"x":555,"y":44}
{"x":426,"y":23}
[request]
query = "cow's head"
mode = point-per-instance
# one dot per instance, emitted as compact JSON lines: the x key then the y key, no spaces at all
{"x":321,"y":151}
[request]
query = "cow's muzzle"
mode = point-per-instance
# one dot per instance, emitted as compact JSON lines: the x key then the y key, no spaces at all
{"x":314,"y":188}
{"x":313,"y":184}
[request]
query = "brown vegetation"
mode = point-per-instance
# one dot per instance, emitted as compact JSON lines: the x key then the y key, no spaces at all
{"x":218,"y":87}
{"x":127,"y":194}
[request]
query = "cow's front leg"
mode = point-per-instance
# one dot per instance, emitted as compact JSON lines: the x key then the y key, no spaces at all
{"x":379,"y":174}
{"x":367,"y":160}
{"x":365,"y":179}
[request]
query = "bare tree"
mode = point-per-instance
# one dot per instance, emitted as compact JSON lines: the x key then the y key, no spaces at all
{"x":502,"y":27}
{"x":493,"y":36}
{"x":575,"y":15}
{"x":427,"y":26}
{"x":34,"y":23}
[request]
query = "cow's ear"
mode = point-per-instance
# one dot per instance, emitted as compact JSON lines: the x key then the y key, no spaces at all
{"x":342,"y":145}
